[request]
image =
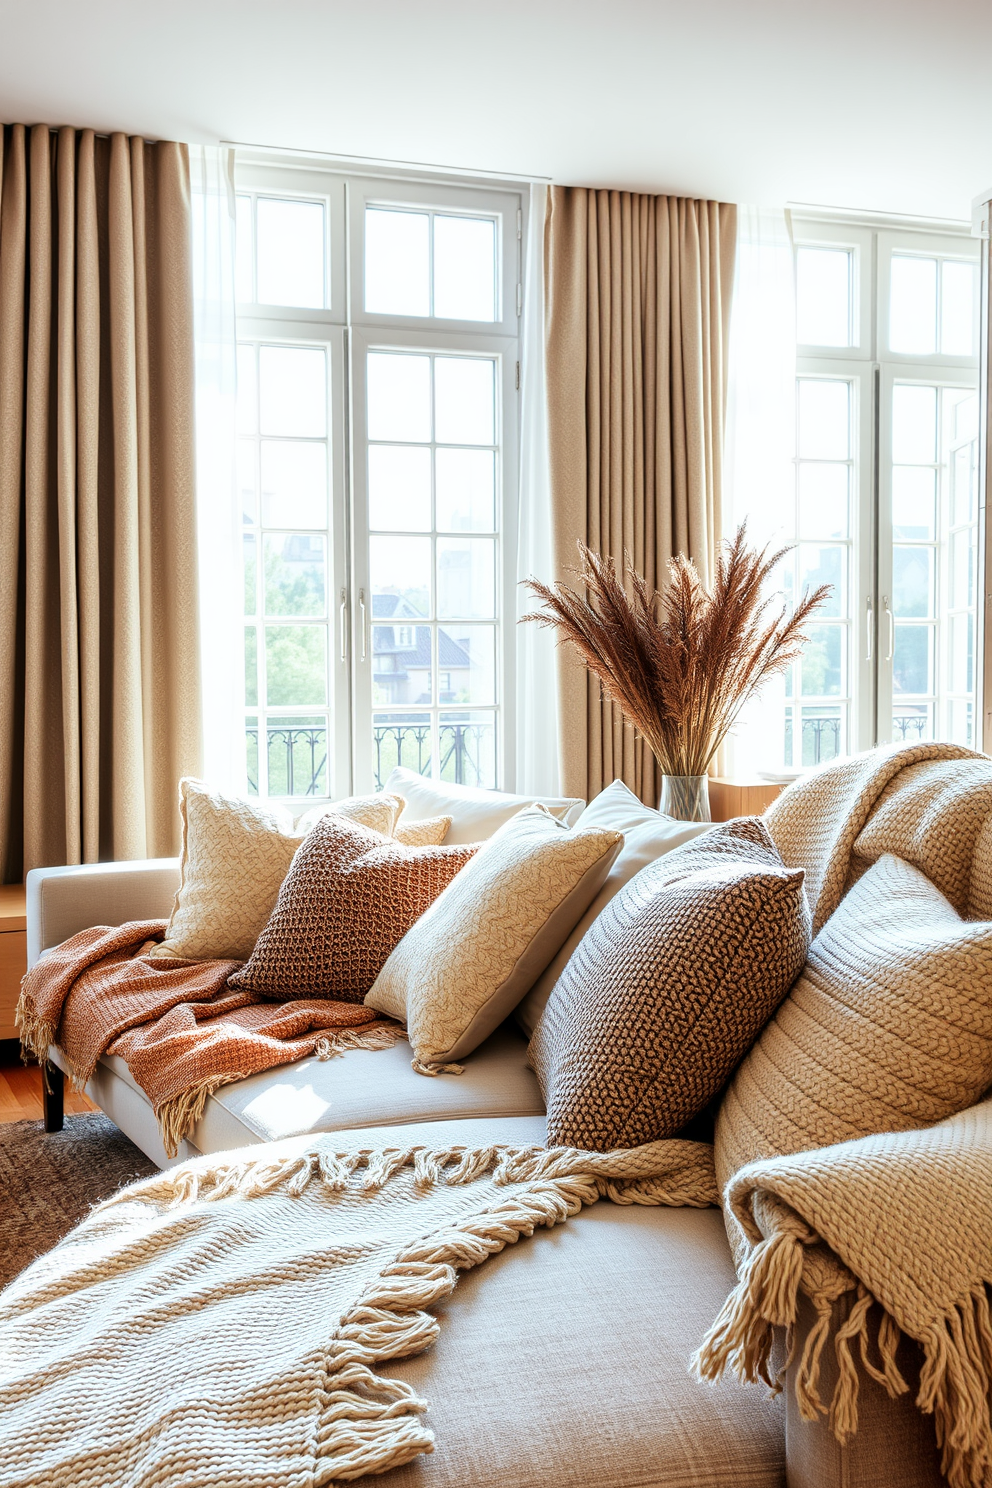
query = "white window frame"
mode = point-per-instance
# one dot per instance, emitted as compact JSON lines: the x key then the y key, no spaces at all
{"x":348,"y":331}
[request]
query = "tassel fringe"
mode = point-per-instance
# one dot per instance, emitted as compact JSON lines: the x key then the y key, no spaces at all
{"x":955,"y":1380}
{"x":426,"y":1067}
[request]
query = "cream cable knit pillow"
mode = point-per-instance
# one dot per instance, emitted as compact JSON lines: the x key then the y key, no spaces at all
{"x":888,"y":1028}
{"x":470,"y":958}
{"x":235,"y":855}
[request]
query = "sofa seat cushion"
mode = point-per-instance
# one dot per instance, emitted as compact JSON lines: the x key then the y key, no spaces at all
{"x":363,"y":1088}
{"x":564,"y":1360}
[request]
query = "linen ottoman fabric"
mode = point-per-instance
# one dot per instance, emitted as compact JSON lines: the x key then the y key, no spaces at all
{"x":466,"y":964}
{"x":647,"y":836}
{"x":888,"y":1029}
{"x":349,"y":896}
{"x":669,"y":988}
{"x":476,"y":813}
{"x":235,"y":855}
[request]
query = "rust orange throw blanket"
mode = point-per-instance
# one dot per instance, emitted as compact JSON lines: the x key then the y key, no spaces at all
{"x":181,"y":1030}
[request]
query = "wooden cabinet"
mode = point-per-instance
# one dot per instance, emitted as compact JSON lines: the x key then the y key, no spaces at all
{"x":13,"y":954}
{"x":730,"y":798}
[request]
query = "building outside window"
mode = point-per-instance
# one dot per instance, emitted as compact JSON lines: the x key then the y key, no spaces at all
{"x":378,"y":372}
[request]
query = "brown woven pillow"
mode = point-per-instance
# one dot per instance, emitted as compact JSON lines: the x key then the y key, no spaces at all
{"x":349,"y":897}
{"x":669,"y":988}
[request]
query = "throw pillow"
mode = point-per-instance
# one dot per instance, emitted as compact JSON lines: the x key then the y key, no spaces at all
{"x":380,"y":812}
{"x":475,"y":813}
{"x":888,"y":1028}
{"x":669,"y":988}
{"x":647,"y":835}
{"x":235,"y":855}
{"x":349,"y":896}
{"x":466,"y":964}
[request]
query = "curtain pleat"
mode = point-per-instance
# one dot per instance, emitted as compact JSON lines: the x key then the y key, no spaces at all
{"x":99,"y":695}
{"x":637,"y":305}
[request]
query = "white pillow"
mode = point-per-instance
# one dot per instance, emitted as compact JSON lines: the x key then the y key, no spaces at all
{"x":647,"y":835}
{"x":475,"y":814}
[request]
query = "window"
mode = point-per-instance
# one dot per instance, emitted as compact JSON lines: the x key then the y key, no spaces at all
{"x":377,"y":389}
{"x":885,"y":501}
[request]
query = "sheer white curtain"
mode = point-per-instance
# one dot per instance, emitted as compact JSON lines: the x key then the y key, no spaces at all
{"x":536,"y":680}
{"x":218,"y":516}
{"x":759,"y":455}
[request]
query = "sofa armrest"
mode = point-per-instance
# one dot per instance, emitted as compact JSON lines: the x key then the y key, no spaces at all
{"x":895,"y":1445}
{"x":61,"y":901}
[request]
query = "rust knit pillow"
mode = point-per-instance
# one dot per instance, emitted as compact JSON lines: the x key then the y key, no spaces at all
{"x":669,"y":988}
{"x":349,"y":897}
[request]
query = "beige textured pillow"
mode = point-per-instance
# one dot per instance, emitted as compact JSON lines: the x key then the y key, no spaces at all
{"x":647,"y":836}
{"x":430,"y":832}
{"x":349,"y":896}
{"x":888,"y":1028}
{"x":475,"y":813}
{"x":235,"y":855}
{"x":669,"y":988}
{"x":467,"y":962}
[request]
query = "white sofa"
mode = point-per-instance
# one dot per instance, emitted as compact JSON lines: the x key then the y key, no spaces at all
{"x":564,"y":1359}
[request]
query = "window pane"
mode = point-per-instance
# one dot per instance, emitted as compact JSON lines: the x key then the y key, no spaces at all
{"x":962,"y":569}
{"x":246,"y":480}
{"x":292,"y":391}
{"x":962,"y":647}
{"x":399,"y":488}
{"x":824,"y":424}
{"x":822,"y":565}
{"x":961,"y":722}
{"x":822,"y":663}
{"x":912,"y":582}
{"x":466,"y":664}
{"x":823,"y":735}
{"x":251,"y":754}
{"x":464,"y":411}
{"x":912,"y":722}
{"x":914,"y":503}
{"x":465,"y":268}
{"x":399,"y":397}
{"x":295,"y":581}
{"x":244,"y":287}
{"x":250,"y":562}
{"x":823,"y":500}
{"x":823,"y":296}
{"x":295,"y":666}
{"x":467,"y":748}
{"x":290,"y":252}
{"x":466,"y":580}
{"x":294,"y":484}
{"x":957,"y":309}
{"x":251,"y":666}
{"x":465,"y":489}
{"x":914,"y":425}
{"x":397,"y":262}
{"x":400,"y":571}
{"x":912,"y":665}
{"x":401,"y":664}
{"x":297,"y":756}
{"x":401,"y":739}
{"x":963,"y":484}
{"x":913,"y":305}
{"x":247,"y":391}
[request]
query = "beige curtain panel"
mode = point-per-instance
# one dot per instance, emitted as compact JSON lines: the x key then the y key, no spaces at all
{"x":99,"y":711}
{"x":637,"y":296}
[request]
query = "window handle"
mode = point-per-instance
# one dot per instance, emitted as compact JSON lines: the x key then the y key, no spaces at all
{"x":343,"y":620}
{"x":365,"y":624}
{"x":892,"y":627}
{"x":869,"y":629}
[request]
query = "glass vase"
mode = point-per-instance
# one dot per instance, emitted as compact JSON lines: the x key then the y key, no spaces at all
{"x":686,"y":797}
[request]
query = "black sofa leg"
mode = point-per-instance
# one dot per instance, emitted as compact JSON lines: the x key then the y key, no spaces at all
{"x":52,"y":1095}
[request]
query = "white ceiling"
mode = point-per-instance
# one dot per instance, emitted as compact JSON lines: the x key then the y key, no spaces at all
{"x":877,"y":104}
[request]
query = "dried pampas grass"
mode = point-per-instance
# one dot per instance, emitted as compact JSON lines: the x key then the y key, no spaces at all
{"x":680,"y":665}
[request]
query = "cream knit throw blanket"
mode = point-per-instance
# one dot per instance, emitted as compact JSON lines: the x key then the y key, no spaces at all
{"x":218,"y":1325}
{"x":903,"y":1219}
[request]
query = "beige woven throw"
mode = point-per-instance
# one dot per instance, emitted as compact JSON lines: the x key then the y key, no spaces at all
{"x":181,"y":1030}
{"x":216,"y":1326}
{"x":908,"y":1216}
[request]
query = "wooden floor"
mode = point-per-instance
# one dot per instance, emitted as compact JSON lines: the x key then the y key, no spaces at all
{"x":20,"y":1095}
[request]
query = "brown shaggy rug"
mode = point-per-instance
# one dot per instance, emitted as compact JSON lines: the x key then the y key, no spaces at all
{"x":50,"y":1180}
